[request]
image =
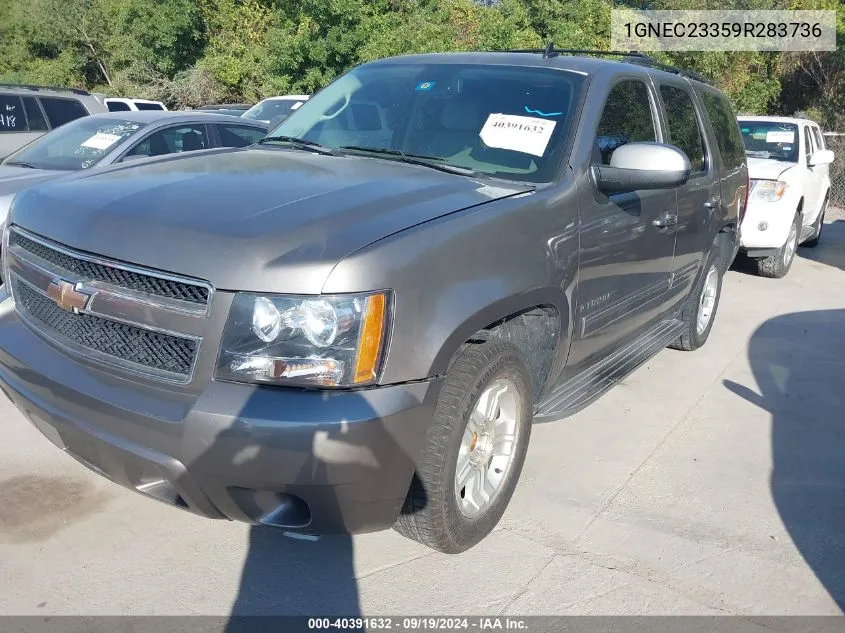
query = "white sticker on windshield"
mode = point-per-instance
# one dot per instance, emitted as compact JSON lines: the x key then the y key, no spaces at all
{"x":780,"y":136}
{"x":525,"y":134}
{"x":101,"y":140}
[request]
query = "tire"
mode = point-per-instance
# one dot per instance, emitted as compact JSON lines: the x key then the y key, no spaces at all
{"x":704,"y":297}
{"x":435,"y":513}
{"x":776,"y":266}
{"x":818,"y":225}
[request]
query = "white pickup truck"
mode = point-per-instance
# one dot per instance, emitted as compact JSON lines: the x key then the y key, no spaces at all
{"x":788,"y":167}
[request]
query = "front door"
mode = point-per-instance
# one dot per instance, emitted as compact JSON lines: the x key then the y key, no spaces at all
{"x":627,"y":239}
{"x":812,"y":183}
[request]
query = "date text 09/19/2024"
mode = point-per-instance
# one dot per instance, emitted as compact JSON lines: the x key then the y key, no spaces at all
{"x":419,"y":623}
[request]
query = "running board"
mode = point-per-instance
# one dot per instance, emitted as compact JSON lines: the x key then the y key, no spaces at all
{"x":585,"y":387}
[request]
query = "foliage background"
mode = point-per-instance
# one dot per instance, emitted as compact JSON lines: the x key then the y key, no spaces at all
{"x":191,"y":52}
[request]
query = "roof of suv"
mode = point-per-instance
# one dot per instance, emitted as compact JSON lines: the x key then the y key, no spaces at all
{"x":553,"y":58}
{"x":26,"y":88}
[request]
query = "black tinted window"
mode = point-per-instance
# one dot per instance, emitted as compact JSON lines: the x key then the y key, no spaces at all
{"x":118,"y":106}
{"x":626,"y":118}
{"x":684,"y":131}
{"x":60,"y":111}
{"x":12,"y":118}
{"x":34,"y":116}
{"x":725,"y":127}
{"x":148,"y":106}
{"x":185,"y":138}
{"x":239,"y":135}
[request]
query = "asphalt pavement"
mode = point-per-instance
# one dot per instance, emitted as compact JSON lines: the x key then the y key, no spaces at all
{"x":710,"y":482}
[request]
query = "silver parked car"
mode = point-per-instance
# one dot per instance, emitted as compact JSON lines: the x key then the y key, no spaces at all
{"x":27,"y":112}
{"x":105,"y":139}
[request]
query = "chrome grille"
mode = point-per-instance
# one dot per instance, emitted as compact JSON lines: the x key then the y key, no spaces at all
{"x":127,"y":343}
{"x":135,"y":319}
{"x":116,"y":276}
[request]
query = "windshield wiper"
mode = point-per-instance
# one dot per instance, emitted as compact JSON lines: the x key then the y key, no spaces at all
{"x":435,"y":162}
{"x":758,"y":153}
{"x":20,"y":164}
{"x":301,"y":144}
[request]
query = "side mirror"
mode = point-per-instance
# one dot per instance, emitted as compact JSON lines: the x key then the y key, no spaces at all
{"x":642,"y":166}
{"x":821,"y":157}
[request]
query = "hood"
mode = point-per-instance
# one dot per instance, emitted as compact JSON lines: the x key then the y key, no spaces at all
{"x":767,"y":168}
{"x":14,"y":179}
{"x":261,"y":219}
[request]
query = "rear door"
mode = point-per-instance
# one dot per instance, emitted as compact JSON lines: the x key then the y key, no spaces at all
{"x":728,"y":156}
{"x":699,"y":198}
{"x":818,"y":177}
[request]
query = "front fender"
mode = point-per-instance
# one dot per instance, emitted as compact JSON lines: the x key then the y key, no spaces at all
{"x":456,"y":275}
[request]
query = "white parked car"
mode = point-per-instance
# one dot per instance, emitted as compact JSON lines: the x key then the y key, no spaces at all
{"x":788,"y":165}
{"x":122,"y":104}
{"x":274,"y":110}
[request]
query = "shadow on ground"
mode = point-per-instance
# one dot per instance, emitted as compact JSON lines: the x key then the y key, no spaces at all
{"x":327,"y":459}
{"x":798,"y":362}
{"x":831,"y":248}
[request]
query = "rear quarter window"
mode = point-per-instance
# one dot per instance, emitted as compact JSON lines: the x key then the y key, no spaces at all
{"x":118,"y":106}
{"x":12,"y":117}
{"x":725,"y":127}
{"x":60,"y":111}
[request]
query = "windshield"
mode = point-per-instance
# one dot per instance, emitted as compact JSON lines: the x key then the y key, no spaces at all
{"x":503,"y":121}
{"x":79,"y":144}
{"x":770,"y":139}
{"x":271,"y":108}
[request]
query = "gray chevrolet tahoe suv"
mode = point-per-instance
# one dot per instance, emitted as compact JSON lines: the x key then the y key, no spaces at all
{"x":353,"y":324}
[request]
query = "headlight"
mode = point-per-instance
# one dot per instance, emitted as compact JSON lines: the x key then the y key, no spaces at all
{"x":768,"y":190}
{"x":334,"y":341}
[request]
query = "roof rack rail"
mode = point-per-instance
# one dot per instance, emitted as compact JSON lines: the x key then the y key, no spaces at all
{"x":632,"y":57}
{"x":76,"y":91}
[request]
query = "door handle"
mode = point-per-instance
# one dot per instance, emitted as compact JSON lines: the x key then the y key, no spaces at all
{"x":711,"y":203}
{"x":667,"y":219}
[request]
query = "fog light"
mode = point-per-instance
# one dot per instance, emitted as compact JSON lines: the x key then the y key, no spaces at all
{"x":763,"y":226}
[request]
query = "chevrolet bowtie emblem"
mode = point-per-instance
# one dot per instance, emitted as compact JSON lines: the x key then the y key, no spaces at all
{"x":66,"y":296}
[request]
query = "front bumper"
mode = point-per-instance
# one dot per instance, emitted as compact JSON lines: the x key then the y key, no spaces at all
{"x":313,"y":461}
{"x":766,"y":224}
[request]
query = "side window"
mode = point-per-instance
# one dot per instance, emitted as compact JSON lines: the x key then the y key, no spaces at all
{"x":626,"y":118}
{"x":12,"y":117}
{"x":239,"y":135}
{"x":60,"y":111}
{"x":184,"y":138}
{"x":808,"y":144}
{"x":37,"y":122}
{"x":725,"y":127}
{"x":817,"y":135}
{"x":118,"y":106}
{"x":684,"y":129}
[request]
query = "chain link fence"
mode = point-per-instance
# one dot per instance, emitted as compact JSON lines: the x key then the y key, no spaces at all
{"x":836,"y":142}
